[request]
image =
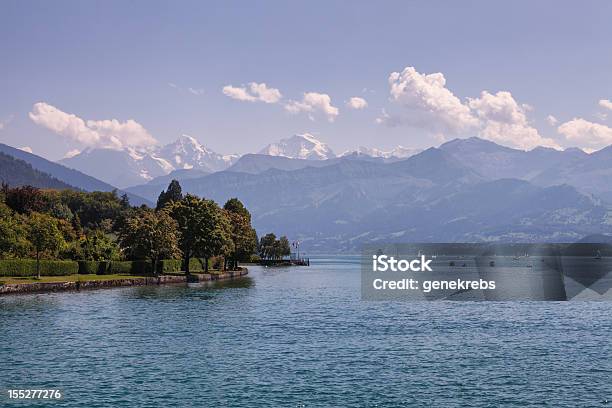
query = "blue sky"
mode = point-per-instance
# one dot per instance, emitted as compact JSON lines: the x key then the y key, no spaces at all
{"x":138,"y":60}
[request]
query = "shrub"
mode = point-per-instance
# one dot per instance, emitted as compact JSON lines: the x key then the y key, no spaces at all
{"x":121,"y":267}
{"x":196,"y":265}
{"x":170,"y":265}
{"x":27,"y":267}
{"x":95,"y":267}
{"x":141,"y":268}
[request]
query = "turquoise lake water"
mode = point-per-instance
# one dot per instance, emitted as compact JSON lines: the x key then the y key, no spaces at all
{"x":301,"y":337}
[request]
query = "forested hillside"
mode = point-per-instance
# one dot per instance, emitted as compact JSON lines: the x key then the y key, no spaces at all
{"x":17,"y":173}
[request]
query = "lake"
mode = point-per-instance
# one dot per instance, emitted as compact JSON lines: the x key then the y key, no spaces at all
{"x":301,"y":337}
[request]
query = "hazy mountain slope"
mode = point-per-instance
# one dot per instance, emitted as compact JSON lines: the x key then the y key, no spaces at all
{"x":68,"y":176}
{"x":495,"y":162}
{"x":130,"y":167}
{"x":179,"y":175}
{"x":116,"y":167}
{"x":431,"y":196}
{"x":591,"y":173}
{"x":16,"y":173}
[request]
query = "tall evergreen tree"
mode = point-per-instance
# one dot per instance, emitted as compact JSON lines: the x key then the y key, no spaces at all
{"x":172,"y":194}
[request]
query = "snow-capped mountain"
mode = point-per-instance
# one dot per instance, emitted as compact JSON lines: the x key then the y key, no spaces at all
{"x":304,"y":146}
{"x":129,"y":167}
{"x":187,"y":153}
{"x":400,"y":152}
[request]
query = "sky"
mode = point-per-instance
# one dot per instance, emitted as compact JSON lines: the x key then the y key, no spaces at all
{"x":240,"y":75}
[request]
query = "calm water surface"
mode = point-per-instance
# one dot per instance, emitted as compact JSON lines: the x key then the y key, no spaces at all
{"x":302,"y":337}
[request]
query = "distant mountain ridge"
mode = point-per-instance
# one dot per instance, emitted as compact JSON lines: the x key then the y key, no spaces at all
{"x":451,"y":193}
{"x":131,"y":166}
{"x":70,"y":177}
{"x":17,"y":173}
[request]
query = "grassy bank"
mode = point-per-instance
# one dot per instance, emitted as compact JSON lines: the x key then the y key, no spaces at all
{"x":65,"y":278}
{"x":88,"y":277}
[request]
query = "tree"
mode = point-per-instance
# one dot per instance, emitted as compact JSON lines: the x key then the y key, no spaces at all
{"x":98,"y":246}
{"x":219,"y":241}
{"x":13,"y":242}
{"x":150,"y":235}
{"x":242,"y":233}
{"x":190,"y":214}
{"x":284,"y":248}
{"x":24,"y":199}
{"x":45,"y":236}
{"x":172,"y":194}
{"x":266,"y":246}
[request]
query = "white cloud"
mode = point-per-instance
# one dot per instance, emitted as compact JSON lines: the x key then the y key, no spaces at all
{"x":109,"y":133}
{"x":313,"y":103}
{"x":71,"y":153}
{"x":357,"y":103}
{"x":504,"y":121}
{"x":253,"y":93}
{"x":26,"y":149}
{"x":605,"y":103}
{"x":552,"y":121}
{"x":427,"y":103}
{"x":424,"y":101}
{"x":586,"y":134}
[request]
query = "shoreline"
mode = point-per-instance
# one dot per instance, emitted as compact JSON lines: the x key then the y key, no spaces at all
{"x":46,"y":287}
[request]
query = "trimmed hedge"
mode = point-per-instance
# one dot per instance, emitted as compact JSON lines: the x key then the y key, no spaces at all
{"x":94,"y":267}
{"x":170,"y":265}
{"x":27,"y":267}
{"x":127,"y":267}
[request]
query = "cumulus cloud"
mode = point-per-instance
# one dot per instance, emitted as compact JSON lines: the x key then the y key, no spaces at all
{"x":424,"y":101}
{"x":605,"y":103}
{"x":26,"y":149}
{"x":552,"y":121}
{"x":427,"y":103}
{"x":586,"y":134}
{"x":504,"y":121}
{"x":313,"y":103}
{"x":357,"y":103}
{"x":254,"y":92}
{"x":109,"y":133}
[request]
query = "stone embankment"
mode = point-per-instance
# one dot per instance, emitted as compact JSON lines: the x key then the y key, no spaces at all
{"x":144,"y":281}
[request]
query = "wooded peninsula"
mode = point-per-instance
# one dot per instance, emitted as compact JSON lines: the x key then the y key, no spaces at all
{"x":43,"y":232}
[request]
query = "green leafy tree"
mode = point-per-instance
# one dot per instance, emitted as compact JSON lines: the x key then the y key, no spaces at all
{"x":45,"y":236}
{"x":266,"y":246}
{"x":204,"y":230}
{"x":219,"y":240}
{"x":284,"y":248}
{"x":13,"y":242}
{"x":172,"y":194}
{"x":98,"y":246}
{"x":190,"y":214}
{"x":243,"y":235}
{"x":150,"y":235}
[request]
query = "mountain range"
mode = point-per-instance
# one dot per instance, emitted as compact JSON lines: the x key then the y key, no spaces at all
{"x":465,"y":190}
{"x":133,"y":167}
{"x":69,"y":178}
